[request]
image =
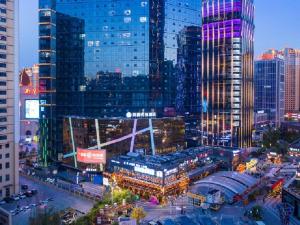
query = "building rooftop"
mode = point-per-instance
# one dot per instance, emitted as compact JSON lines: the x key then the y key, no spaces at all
{"x":229,"y":183}
{"x":295,"y":144}
{"x":293,"y":187}
{"x":167,"y":161}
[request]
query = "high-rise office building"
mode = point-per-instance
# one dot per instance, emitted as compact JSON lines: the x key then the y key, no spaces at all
{"x":104,"y":58}
{"x":292,"y":79}
{"x":9,"y":154}
{"x":227,"y":72}
{"x":269,"y":86}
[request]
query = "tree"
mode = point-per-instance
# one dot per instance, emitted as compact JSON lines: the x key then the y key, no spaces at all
{"x":138,"y":213}
{"x":256,"y":212}
{"x":270,"y":137}
{"x":45,"y":217}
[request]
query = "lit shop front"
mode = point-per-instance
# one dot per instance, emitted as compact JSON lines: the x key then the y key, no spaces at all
{"x":153,"y":180}
{"x":294,"y":149}
{"x":162,"y":176}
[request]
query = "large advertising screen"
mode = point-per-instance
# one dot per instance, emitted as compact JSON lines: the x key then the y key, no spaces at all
{"x":91,"y":156}
{"x":32,"y":109}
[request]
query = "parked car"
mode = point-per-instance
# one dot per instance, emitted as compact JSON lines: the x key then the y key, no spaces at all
{"x":24,"y":186}
{"x":21,"y":196}
{"x":28,"y":193}
{"x":34,"y":191}
{"x":15,"y":197}
{"x":8,"y":199}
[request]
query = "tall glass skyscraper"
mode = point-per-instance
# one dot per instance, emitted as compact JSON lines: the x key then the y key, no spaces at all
{"x":104,"y":58}
{"x":269,"y":86}
{"x":227,"y":72}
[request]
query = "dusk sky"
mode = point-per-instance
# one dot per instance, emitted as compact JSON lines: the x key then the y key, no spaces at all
{"x":277,"y":26}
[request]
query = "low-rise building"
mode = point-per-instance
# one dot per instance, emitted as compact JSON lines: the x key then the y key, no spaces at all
{"x":294,"y":149}
{"x":170,"y":174}
{"x":291,"y":195}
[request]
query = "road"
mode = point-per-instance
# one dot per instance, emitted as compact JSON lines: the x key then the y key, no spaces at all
{"x":61,"y":200}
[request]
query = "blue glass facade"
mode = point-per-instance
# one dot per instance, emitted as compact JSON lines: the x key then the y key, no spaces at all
{"x":110,"y":57}
{"x":269,"y":87}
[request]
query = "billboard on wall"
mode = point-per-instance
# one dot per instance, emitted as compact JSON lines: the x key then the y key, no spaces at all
{"x":32,"y":110}
{"x":91,"y":156}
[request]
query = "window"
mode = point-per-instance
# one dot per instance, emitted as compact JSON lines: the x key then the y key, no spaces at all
{"x":2,"y":10}
{"x":7,"y":165}
{"x":143,"y":19}
{"x":3,"y":110}
{"x":3,"y":137}
{"x":2,"y":83}
{"x":0,"y":166}
{"x":2,"y":101}
{"x":7,"y":177}
{"x":2,"y":74}
{"x":7,"y":155}
{"x":3,"y":119}
{"x":7,"y":145}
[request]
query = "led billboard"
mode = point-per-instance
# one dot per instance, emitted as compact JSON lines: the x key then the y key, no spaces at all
{"x":32,"y":109}
{"x":91,"y":156}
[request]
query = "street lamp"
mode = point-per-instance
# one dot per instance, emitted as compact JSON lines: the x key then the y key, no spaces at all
{"x":112,"y":186}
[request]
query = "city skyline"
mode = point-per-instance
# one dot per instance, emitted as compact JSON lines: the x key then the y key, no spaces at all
{"x":266,"y":27}
{"x":149,"y":112}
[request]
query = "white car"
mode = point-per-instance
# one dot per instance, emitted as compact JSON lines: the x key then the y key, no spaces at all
{"x":22,"y":196}
{"x":16,"y":198}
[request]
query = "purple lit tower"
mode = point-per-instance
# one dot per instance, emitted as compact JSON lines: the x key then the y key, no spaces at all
{"x":227,"y":72}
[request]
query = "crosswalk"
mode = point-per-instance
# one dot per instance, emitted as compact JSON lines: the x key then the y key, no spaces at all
{"x":271,"y":206}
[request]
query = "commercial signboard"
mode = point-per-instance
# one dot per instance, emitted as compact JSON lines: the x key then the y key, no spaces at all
{"x":32,"y":109}
{"x":91,"y":156}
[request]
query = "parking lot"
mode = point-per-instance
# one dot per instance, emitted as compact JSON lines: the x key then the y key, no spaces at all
{"x":46,"y":196}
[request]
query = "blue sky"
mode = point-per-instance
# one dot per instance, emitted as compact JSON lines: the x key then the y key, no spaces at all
{"x":277,"y":26}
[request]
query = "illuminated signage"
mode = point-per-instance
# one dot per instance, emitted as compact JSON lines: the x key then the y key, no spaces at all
{"x":294,"y":149}
{"x":169,"y":172}
{"x":140,"y":114}
{"x":32,"y":109}
{"x":31,"y":91}
{"x":251,"y":164}
{"x":144,"y":170}
{"x":91,"y":156}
